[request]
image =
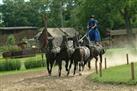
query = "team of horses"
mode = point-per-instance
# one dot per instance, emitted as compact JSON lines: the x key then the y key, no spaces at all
{"x":71,"y":51}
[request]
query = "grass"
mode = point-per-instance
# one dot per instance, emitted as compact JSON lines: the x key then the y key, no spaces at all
{"x":23,"y":69}
{"x":116,"y":75}
{"x":38,"y":56}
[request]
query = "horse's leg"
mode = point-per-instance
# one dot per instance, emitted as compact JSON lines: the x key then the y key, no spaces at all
{"x":66,"y":65}
{"x":75,"y":67}
{"x":83,"y":66}
{"x":51,"y":66}
{"x":71,"y":61}
{"x":80,"y":65}
{"x":60,"y":67}
{"x":89,"y":66}
{"x":96,"y":65}
{"x":48,"y":67}
{"x":100,"y":55}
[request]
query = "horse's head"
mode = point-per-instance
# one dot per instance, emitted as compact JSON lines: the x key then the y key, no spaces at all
{"x":50,"y":43}
{"x":103,"y":50}
{"x":64,"y":43}
{"x":76,"y":42}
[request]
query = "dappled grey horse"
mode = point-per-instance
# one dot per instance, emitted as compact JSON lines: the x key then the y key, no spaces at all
{"x":84,"y":53}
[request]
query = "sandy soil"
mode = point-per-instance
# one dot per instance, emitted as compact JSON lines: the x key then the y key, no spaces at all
{"x":40,"y":81}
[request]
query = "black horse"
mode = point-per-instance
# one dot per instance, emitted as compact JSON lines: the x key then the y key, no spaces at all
{"x":65,"y":53}
{"x":51,"y":54}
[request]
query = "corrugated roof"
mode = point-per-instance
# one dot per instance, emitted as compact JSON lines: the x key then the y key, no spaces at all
{"x":55,"y":32}
{"x":70,"y":31}
{"x":59,"y":32}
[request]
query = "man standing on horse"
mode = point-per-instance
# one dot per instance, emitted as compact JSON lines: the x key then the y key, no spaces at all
{"x":93,"y":32}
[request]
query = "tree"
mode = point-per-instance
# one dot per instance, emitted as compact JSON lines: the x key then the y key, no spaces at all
{"x":20,"y":13}
{"x":110,"y":13}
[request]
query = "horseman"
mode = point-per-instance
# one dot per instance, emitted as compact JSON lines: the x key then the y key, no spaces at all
{"x":93,"y":33}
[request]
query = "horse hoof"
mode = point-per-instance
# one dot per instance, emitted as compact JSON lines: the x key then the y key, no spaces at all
{"x":80,"y":74}
{"x":67,"y":69}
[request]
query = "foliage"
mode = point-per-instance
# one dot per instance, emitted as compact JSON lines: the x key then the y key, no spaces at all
{"x":11,"y":40}
{"x":116,"y":75}
{"x":112,"y":14}
{"x":33,"y":63}
{"x":20,"y":13}
{"x":9,"y":48}
{"x":9,"y":65}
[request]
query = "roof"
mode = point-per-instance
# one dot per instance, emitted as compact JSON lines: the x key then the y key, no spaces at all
{"x":19,"y":28}
{"x":70,"y":31}
{"x":59,"y":32}
{"x":55,"y":32}
{"x":122,"y":32}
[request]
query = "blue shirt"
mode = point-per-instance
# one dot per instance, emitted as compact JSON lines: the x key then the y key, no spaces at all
{"x":93,"y":34}
{"x":91,"y":23}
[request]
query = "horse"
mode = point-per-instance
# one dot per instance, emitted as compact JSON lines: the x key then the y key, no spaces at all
{"x":51,"y":54}
{"x":79,"y":56}
{"x":55,"y":54}
{"x":84,"y":54}
{"x":64,"y":54}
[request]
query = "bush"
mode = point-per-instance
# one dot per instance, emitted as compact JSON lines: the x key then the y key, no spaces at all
{"x":33,"y":63}
{"x":9,"y":65}
{"x":11,"y":40}
{"x":9,"y":48}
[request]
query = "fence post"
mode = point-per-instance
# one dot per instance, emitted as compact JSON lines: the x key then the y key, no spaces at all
{"x":42,"y":55}
{"x":105,"y":64}
{"x":132,"y":71}
{"x":100,"y":69}
{"x":127,"y":58}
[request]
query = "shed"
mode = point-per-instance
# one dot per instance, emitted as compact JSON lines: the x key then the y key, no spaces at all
{"x":18,"y":32}
{"x":57,"y":34}
{"x":120,"y":37}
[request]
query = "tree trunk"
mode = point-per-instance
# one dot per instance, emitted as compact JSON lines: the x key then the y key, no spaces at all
{"x":127,"y":23}
{"x":61,"y":13}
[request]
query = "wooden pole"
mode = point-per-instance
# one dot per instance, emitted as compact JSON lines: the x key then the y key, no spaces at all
{"x":132,"y":71}
{"x":100,"y":69}
{"x":127,"y":58}
{"x":105,"y":64}
{"x":42,"y":55}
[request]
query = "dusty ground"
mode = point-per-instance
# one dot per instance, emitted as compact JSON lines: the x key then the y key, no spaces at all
{"x":40,"y":81}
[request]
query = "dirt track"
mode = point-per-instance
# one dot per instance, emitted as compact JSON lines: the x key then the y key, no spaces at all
{"x":39,"y":81}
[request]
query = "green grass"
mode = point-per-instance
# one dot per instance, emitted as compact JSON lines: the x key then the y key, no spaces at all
{"x":116,"y":75}
{"x":38,"y":56}
{"x":22,"y":71}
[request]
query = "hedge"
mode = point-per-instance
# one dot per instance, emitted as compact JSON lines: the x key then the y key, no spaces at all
{"x":9,"y":65}
{"x":33,"y":63}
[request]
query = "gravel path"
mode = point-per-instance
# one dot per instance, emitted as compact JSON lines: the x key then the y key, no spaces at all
{"x":40,"y":81}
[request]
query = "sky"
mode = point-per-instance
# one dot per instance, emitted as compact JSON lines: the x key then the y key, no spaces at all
{"x":1,"y":1}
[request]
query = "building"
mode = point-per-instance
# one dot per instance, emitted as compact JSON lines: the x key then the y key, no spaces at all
{"x":120,"y":37}
{"x":18,"y":32}
{"x":57,"y":34}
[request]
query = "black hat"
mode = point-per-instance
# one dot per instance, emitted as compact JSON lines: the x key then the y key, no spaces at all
{"x":92,"y":16}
